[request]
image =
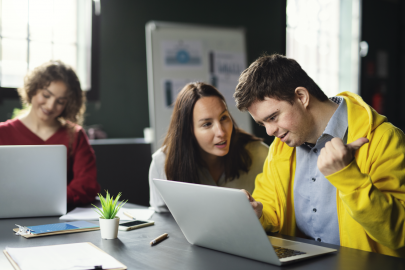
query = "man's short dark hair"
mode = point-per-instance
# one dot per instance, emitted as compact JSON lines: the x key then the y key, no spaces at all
{"x":274,"y":76}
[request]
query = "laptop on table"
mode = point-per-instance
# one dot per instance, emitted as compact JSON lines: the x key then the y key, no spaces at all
{"x":223,"y":219}
{"x":33,"y":180}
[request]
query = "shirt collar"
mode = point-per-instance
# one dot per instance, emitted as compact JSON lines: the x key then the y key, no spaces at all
{"x":338,"y":124}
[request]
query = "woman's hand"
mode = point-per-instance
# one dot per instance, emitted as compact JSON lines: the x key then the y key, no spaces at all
{"x":257,"y":206}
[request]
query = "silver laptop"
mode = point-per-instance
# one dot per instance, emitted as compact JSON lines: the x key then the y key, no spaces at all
{"x":223,"y":219}
{"x":33,"y":180}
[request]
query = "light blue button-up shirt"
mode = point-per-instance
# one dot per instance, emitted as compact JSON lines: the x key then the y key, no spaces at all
{"x":314,"y":196}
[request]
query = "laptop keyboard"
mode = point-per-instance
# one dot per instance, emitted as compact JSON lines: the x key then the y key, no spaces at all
{"x":285,"y":252}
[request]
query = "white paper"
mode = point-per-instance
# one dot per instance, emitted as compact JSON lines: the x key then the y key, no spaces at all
{"x":62,"y":257}
{"x":80,"y":213}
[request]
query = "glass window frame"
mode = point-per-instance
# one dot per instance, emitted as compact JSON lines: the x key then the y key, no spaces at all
{"x":93,"y":93}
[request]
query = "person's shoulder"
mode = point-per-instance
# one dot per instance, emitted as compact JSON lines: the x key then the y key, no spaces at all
{"x":74,"y":133}
{"x":388,"y":130}
{"x":73,"y":126}
{"x":159,"y":156}
{"x":11,"y":123}
{"x":258,"y":151}
{"x":386,"y":126}
{"x":257,"y":147}
{"x":74,"y":129}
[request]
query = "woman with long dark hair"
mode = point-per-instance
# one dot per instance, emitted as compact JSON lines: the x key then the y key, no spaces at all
{"x":204,"y":145}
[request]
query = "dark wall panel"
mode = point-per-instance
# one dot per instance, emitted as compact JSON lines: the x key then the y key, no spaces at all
{"x":383,"y":29}
{"x":124,"y":168}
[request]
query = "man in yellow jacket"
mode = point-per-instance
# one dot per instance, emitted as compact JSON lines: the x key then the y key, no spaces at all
{"x":336,"y":169}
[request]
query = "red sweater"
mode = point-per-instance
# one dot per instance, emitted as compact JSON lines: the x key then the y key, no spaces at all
{"x":81,"y":162}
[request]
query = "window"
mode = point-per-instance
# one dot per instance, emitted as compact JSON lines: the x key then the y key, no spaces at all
{"x":35,"y":31}
{"x":323,"y":36}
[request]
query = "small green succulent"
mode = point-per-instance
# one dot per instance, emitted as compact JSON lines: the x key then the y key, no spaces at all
{"x":109,"y":205}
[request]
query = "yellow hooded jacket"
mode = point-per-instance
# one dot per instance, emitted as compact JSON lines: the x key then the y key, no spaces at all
{"x":370,"y":190}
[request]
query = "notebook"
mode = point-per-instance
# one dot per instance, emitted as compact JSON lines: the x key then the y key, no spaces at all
{"x":223,"y":219}
{"x":68,"y":256}
{"x":33,"y":180}
{"x":56,"y":228}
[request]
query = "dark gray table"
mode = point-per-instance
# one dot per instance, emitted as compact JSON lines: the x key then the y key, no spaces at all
{"x":133,"y":249}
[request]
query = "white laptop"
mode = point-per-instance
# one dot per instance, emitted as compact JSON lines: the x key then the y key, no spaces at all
{"x":223,"y":219}
{"x":33,"y":180}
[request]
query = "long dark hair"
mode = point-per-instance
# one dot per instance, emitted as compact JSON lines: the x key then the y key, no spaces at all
{"x":181,"y":147}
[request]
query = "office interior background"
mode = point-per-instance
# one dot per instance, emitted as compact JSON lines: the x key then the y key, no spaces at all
{"x":345,"y":45}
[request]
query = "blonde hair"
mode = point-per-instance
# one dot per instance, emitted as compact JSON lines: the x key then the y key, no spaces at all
{"x":52,"y":71}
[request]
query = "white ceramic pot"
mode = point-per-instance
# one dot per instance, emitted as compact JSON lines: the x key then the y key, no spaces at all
{"x":109,"y":227}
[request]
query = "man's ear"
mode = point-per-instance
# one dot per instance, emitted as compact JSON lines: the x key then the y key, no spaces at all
{"x":302,"y":96}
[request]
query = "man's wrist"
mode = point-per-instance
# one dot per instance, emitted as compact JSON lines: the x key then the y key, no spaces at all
{"x":348,"y":179}
{"x":260,"y":213}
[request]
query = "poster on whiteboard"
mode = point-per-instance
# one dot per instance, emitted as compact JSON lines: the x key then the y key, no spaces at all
{"x":171,"y":87}
{"x":182,"y":54}
{"x":178,"y":54}
{"x":225,"y":68}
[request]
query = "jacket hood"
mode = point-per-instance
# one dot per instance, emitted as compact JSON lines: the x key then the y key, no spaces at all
{"x":362,"y":119}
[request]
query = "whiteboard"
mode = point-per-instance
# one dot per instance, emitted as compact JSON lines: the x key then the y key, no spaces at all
{"x":178,"y":54}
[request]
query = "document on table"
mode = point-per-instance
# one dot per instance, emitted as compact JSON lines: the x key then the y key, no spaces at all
{"x":80,"y":213}
{"x":62,"y":257}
